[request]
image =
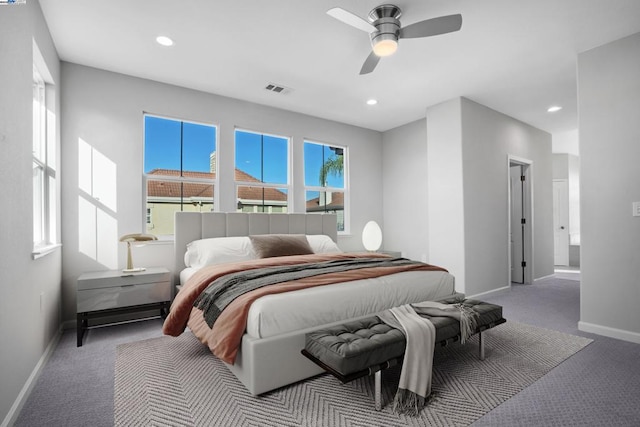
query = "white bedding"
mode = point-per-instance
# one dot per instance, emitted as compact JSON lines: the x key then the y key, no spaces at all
{"x":273,"y":315}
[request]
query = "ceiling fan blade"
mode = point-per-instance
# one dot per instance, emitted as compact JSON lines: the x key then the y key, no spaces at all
{"x":432,"y":27}
{"x":369,"y":63}
{"x":351,"y":19}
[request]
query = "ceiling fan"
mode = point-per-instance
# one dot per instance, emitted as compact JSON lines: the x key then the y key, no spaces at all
{"x":385,"y":31}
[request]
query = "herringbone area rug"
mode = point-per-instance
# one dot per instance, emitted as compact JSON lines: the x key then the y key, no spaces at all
{"x":177,"y":382}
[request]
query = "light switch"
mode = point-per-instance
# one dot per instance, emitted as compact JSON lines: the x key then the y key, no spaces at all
{"x":636,"y":208}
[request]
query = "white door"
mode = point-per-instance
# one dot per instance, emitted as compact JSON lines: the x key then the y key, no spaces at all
{"x":516,"y":238}
{"x":561,"y":222}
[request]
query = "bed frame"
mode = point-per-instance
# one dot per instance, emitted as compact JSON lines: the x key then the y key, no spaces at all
{"x":262,"y":364}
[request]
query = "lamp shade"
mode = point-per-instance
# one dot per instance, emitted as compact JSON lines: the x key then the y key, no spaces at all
{"x":372,"y":236}
{"x":136,"y":237}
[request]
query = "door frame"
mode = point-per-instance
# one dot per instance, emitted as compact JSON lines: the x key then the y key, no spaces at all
{"x":527,"y":196}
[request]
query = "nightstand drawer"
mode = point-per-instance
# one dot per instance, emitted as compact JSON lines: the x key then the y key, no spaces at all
{"x":109,"y":279}
{"x":124,"y":295}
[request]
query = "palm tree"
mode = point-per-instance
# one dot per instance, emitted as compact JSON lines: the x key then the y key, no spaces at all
{"x":334,"y":165}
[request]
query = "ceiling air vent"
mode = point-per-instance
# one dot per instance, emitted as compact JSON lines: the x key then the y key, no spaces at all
{"x":276,"y":88}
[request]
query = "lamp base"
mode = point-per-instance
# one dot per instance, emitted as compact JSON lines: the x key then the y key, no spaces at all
{"x":133,"y":270}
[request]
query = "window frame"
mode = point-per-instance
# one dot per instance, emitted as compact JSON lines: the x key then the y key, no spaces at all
{"x":147,"y":213}
{"x":324,"y":189}
{"x":43,"y":160}
{"x":288,"y":186}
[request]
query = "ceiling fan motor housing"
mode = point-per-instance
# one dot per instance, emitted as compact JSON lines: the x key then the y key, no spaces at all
{"x":385,"y":19}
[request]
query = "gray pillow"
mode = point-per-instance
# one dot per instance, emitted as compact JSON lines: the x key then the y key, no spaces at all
{"x":273,"y":245}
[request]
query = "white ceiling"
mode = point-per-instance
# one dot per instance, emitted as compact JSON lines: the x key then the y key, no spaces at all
{"x":517,"y":57}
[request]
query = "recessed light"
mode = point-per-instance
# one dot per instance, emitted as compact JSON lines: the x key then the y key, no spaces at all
{"x":164,"y":41}
{"x":372,"y":102}
{"x":554,"y":108}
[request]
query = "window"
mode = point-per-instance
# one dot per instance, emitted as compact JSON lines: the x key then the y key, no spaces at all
{"x":43,"y":167}
{"x":262,"y":172}
{"x":324,"y":180}
{"x":179,"y":170}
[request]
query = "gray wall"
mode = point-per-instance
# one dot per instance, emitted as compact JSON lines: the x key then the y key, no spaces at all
{"x":105,"y":110}
{"x":609,"y":127}
{"x":444,"y":189}
{"x":26,"y":328}
{"x":489,"y":137}
{"x":404,"y":152}
{"x":560,"y":166}
{"x":454,"y":172}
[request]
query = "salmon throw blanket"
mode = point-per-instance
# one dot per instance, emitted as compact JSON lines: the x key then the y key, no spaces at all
{"x":225,"y":336}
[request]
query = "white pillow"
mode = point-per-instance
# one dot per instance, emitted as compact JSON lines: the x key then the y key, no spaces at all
{"x":322,"y":244}
{"x":218,"y":250}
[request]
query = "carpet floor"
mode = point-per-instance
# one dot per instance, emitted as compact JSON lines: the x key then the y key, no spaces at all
{"x":598,"y":386}
{"x":177,"y":382}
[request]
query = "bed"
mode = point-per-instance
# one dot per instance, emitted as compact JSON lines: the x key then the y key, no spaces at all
{"x":268,"y":355}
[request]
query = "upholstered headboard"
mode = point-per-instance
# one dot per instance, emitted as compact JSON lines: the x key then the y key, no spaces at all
{"x":190,"y":226}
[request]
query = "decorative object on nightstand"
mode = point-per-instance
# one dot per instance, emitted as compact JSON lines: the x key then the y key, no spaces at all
{"x":106,"y":293}
{"x":372,"y":236}
{"x":135,"y":237}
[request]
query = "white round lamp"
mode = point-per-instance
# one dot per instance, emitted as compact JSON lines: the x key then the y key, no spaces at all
{"x":372,"y":236}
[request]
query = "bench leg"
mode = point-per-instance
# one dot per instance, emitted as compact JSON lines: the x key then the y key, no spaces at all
{"x":481,"y":345}
{"x":378,"y":390}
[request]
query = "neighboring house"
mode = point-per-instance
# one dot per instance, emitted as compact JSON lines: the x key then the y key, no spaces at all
{"x":328,"y":202}
{"x":164,"y":197}
{"x":258,"y":199}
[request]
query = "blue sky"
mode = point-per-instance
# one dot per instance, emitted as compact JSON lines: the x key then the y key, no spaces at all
{"x":162,"y":145}
{"x":262,"y":156}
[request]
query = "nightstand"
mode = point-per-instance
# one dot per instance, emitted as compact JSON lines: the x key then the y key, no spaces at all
{"x":105,"y":293}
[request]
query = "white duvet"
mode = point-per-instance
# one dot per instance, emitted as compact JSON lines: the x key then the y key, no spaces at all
{"x":273,"y":315}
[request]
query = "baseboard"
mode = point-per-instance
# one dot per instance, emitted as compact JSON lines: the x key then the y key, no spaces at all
{"x":606,"y":331}
{"x":489,"y":292}
{"x":13,"y":413}
{"x":543,"y":277}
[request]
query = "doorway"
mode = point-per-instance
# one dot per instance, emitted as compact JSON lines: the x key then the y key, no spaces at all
{"x":520,"y":221}
{"x":561,"y":222}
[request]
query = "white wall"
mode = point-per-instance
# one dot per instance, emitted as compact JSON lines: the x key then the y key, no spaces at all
{"x":404,"y":160}
{"x":574,"y":201}
{"x":105,"y":110}
{"x":567,"y":166}
{"x":26,"y":328}
{"x":609,"y":126}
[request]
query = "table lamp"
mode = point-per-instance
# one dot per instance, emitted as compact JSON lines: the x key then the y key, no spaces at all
{"x":135,"y":237}
{"x":372,"y":236}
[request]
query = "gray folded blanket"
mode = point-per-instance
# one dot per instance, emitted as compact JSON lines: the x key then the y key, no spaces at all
{"x":414,"y":387}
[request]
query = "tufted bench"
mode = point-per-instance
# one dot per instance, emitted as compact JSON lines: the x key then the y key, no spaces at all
{"x":367,"y":346}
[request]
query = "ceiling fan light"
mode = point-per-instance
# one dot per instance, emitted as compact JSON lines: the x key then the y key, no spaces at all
{"x":385,"y":47}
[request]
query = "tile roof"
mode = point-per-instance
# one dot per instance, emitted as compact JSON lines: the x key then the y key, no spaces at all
{"x":337,"y":203}
{"x":158,"y":188}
